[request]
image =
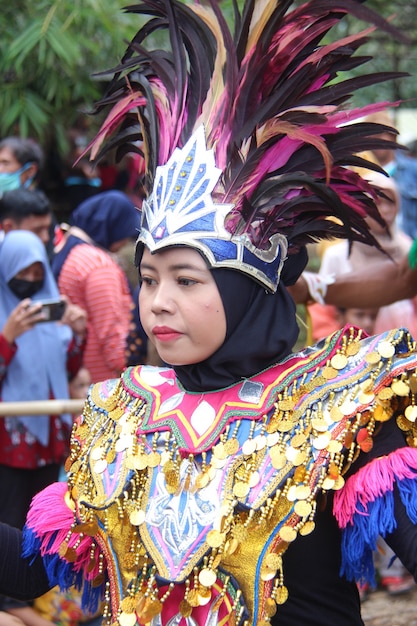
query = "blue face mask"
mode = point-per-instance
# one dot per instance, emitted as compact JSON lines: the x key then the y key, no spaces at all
{"x":11,"y":180}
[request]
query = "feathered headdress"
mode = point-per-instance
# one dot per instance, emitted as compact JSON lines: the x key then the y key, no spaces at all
{"x":246,"y":138}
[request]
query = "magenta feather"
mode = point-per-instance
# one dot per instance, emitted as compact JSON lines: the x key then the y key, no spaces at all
{"x":274,"y":104}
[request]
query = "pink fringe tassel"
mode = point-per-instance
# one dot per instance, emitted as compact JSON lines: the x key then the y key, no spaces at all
{"x":51,"y":519}
{"x":372,"y":481}
{"x":48,"y":511}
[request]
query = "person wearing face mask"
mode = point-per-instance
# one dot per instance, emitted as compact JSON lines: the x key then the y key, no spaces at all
{"x":35,"y":359}
{"x":20,"y":163}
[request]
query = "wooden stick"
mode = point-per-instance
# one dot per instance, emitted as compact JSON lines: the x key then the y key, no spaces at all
{"x":41,"y":407}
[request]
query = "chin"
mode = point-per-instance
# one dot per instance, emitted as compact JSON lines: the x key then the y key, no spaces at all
{"x":169,"y":359}
{"x":180,"y":362}
{"x":176,"y":362}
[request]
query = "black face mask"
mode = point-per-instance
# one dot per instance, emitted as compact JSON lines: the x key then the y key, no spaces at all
{"x":24,"y":288}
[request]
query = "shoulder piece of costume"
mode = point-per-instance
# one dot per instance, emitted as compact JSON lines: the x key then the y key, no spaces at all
{"x":164,"y":510}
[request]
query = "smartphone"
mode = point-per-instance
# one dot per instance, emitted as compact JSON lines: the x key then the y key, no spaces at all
{"x":52,"y":310}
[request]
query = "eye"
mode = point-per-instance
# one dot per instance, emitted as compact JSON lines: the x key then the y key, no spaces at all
{"x":146,"y":280}
{"x":186,"y":282}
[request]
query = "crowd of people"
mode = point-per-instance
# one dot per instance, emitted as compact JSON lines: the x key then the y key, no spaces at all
{"x":342,"y":257}
{"x":215,"y":476}
{"x":98,"y":335}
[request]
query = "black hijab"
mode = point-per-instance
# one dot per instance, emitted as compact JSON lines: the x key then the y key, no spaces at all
{"x":261,"y":329}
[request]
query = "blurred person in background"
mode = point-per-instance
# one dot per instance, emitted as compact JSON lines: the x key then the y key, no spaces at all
{"x":79,"y":384}
{"x":26,"y":209}
{"x":21,"y":164}
{"x":35,"y":358}
{"x":87,"y":271}
{"x":343,"y":257}
{"x":406,"y":177}
{"x":361,"y":318}
{"x":21,"y":161}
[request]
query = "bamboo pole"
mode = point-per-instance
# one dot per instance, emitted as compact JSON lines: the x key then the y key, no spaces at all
{"x":41,"y":407}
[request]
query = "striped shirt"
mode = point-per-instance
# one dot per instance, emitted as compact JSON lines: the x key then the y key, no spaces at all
{"x":91,"y":278}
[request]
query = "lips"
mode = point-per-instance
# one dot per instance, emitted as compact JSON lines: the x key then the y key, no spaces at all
{"x":164,"y":333}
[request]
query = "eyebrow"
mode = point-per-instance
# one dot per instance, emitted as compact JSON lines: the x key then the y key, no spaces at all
{"x":174,"y":267}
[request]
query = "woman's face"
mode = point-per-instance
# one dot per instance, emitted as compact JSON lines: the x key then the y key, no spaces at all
{"x":79,"y":385}
{"x":32,"y":273}
{"x":388,"y":208}
{"x":180,"y":306}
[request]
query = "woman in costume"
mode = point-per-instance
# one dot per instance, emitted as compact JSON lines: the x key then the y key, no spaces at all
{"x":242,"y":484}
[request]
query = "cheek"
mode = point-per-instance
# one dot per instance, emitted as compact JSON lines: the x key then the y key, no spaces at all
{"x":388,"y":210}
{"x":143,"y":304}
{"x":216,"y":317}
{"x":389,"y":215}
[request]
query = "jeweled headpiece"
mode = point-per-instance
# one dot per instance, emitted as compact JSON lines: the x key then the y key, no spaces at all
{"x":181,"y":211}
{"x":245,"y":139}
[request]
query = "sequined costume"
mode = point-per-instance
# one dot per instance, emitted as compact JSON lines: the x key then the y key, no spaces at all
{"x":186,"y":485}
{"x":179,"y":506}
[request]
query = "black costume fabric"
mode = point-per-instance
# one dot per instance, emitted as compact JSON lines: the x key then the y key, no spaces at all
{"x":17,"y":579}
{"x":320,"y":556}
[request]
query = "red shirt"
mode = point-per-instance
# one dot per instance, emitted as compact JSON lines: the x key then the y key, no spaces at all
{"x":92,"y":279}
{"x":18,"y":447}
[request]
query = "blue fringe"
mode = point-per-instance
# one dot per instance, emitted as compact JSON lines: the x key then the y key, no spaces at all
{"x":61,"y":572}
{"x":92,"y":598}
{"x":408,"y":493}
{"x":359,"y":538}
{"x":31,"y":544}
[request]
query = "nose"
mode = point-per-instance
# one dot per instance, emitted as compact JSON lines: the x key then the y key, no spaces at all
{"x":162,"y":300}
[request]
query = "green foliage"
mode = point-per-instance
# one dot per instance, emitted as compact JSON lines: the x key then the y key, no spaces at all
{"x":49,"y":52}
{"x":389,"y":53}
